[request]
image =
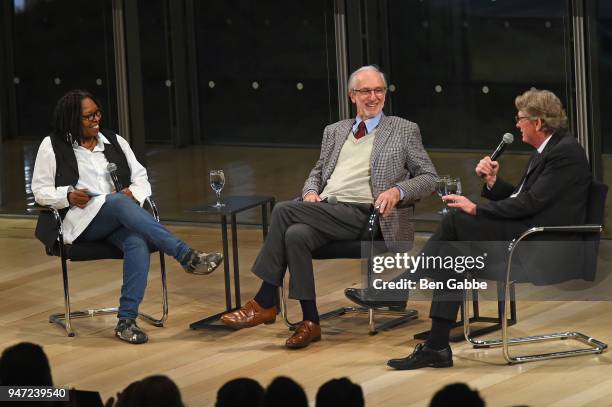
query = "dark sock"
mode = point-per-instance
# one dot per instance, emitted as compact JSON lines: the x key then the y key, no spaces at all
{"x":439,"y":336}
{"x":266,"y":296}
{"x":309,"y":311}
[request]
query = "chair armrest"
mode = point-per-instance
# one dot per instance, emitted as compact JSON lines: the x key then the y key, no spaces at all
{"x":554,"y":229}
{"x":585,"y":229}
{"x":559,"y":229}
{"x":43,"y":209}
{"x":152,"y":207}
{"x":38,"y":209}
{"x":573,"y":228}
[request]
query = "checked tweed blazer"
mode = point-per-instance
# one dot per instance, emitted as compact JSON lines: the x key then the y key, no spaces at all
{"x":398,"y":159}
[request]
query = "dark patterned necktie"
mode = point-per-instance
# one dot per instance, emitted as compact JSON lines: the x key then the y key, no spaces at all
{"x":361,"y":131}
{"x":533,"y":162}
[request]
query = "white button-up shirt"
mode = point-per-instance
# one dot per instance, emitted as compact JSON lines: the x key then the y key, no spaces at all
{"x":93,"y":175}
{"x":540,"y":149}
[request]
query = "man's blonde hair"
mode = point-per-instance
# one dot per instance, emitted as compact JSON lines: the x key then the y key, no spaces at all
{"x":544,"y":105}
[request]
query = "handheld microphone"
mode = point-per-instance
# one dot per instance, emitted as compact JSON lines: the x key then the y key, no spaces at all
{"x":112,"y":170}
{"x":332,"y":199}
{"x":506,"y":139}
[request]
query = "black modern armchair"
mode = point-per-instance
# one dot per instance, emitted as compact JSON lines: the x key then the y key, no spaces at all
{"x":88,"y":251}
{"x":590,"y":233}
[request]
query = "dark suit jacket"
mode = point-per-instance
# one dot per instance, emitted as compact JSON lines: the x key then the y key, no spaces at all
{"x":555,"y":188}
{"x":554,"y":193}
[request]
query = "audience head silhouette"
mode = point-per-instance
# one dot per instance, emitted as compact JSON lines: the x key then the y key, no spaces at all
{"x":457,"y":394}
{"x":285,"y":392}
{"x":242,"y":392}
{"x":340,"y":392}
{"x":25,"y":364}
{"x":152,"y":391}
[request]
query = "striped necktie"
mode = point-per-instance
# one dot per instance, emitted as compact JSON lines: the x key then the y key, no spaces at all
{"x":361,"y":131}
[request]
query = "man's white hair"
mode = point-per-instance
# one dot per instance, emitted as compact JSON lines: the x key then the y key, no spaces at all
{"x":353,"y":77}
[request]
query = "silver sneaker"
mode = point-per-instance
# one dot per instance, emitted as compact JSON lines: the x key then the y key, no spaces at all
{"x":202,"y":263}
{"x":128,"y":331}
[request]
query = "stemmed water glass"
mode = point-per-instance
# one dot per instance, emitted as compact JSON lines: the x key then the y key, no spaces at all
{"x":453,"y":187}
{"x":459,"y":190}
{"x":217,"y":182}
{"x":441,"y":190}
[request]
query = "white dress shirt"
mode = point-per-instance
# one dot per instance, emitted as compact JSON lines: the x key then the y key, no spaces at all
{"x":93,"y":175}
{"x":540,"y":149}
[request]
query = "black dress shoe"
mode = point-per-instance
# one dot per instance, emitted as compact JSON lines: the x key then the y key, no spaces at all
{"x":422,"y":356}
{"x":373,"y":299}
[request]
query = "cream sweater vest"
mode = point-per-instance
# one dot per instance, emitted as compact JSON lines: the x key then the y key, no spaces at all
{"x":350,"y":181}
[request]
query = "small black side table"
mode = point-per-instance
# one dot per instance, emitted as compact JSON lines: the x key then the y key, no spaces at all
{"x":233,"y":205}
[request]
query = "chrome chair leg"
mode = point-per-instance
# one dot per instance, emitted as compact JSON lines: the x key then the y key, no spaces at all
{"x":373,"y":329}
{"x":54,"y":318}
{"x":159,"y":322}
{"x":283,"y":308}
{"x":63,"y":319}
{"x":595,"y":346}
{"x":328,"y":315}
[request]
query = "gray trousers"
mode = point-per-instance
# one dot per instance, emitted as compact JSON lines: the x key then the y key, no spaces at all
{"x":296,"y":230}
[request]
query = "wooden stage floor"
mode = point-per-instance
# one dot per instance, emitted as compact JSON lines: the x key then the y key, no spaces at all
{"x":201,"y":361}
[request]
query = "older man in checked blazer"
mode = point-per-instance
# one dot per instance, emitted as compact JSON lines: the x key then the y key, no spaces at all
{"x":372,"y":159}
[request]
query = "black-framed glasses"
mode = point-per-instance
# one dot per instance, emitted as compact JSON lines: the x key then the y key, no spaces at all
{"x":519,"y":118}
{"x":95,"y":115}
{"x":367,"y":91}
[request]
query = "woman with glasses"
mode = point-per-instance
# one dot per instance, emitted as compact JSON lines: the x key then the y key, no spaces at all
{"x":80,"y":170}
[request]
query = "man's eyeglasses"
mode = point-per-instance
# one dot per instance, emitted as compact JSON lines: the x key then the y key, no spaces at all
{"x":519,"y":118}
{"x":95,"y":115}
{"x":367,"y":91}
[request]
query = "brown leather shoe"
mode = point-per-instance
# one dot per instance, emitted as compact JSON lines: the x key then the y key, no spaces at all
{"x":251,"y":314}
{"x":306,"y":332}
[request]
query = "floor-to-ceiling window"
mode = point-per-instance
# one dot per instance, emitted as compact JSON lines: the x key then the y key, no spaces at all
{"x":265,"y":75}
{"x":456,"y":66}
{"x":155,"y":60}
{"x":248,"y":85}
{"x":267,"y":72}
{"x":56,"y":45}
{"x":604,"y":56}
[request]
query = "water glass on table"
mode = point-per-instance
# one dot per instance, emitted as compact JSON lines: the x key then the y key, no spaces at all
{"x":217,"y":182}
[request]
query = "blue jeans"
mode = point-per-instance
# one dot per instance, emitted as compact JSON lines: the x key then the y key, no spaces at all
{"x":124,"y":224}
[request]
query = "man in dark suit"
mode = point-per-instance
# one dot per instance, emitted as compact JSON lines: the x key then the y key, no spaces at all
{"x":553,"y":191}
{"x":371,"y":159}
